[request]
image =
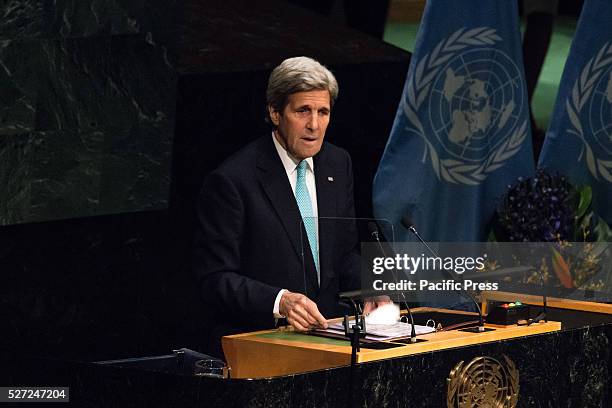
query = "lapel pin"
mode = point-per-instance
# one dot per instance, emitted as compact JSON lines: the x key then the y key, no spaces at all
{"x":330,"y":179}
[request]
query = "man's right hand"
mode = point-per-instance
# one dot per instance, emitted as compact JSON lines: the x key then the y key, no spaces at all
{"x":301,"y":312}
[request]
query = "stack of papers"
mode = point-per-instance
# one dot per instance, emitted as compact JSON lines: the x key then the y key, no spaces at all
{"x":378,"y":332}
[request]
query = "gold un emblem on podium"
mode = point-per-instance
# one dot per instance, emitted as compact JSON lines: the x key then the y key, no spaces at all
{"x":483,"y":383}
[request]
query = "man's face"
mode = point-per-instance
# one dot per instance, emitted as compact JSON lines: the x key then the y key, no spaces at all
{"x":301,"y":126}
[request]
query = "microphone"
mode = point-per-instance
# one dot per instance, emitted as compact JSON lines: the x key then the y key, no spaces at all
{"x":409,"y":225}
{"x":542,"y":315}
{"x":373,"y":230}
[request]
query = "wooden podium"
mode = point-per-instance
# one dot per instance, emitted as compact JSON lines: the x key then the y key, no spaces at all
{"x":273,"y":353}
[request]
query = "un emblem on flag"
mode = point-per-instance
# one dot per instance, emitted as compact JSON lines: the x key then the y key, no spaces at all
{"x":590,"y":112}
{"x":474,"y":119}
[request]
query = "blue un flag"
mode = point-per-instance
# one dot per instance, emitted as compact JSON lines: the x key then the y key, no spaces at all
{"x":579,"y":140}
{"x":461,"y":133}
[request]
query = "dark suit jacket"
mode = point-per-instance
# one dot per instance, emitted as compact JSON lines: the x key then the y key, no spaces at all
{"x":249,"y":238}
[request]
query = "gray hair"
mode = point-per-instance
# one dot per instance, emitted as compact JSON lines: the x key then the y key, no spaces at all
{"x":299,"y":74}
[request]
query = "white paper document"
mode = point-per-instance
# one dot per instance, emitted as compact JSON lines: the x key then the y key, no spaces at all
{"x":383,"y":331}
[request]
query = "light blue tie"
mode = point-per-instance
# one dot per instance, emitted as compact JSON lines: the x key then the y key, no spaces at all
{"x":303,"y":200}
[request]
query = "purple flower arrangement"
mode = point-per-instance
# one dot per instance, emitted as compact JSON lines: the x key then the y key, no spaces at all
{"x":538,"y":209}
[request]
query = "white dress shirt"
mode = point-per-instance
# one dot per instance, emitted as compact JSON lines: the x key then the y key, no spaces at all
{"x":290,"y":164}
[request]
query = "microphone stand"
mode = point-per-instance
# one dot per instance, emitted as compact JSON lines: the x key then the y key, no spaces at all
{"x":543,"y":314}
{"x":480,"y":329}
{"x":354,"y":332}
{"x":374,"y":232}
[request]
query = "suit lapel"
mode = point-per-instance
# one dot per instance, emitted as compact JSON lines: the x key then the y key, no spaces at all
{"x":273,"y":179}
{"x":327,"y":208}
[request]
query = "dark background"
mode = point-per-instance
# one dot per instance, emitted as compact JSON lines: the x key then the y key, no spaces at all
{"x":111,"y":114}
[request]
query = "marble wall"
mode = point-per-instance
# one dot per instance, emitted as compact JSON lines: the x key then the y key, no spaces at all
{"x":87,"y":114}
{"x":87,"y":102}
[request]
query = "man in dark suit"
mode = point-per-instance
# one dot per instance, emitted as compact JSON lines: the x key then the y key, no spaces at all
{"x":261,"y":253}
